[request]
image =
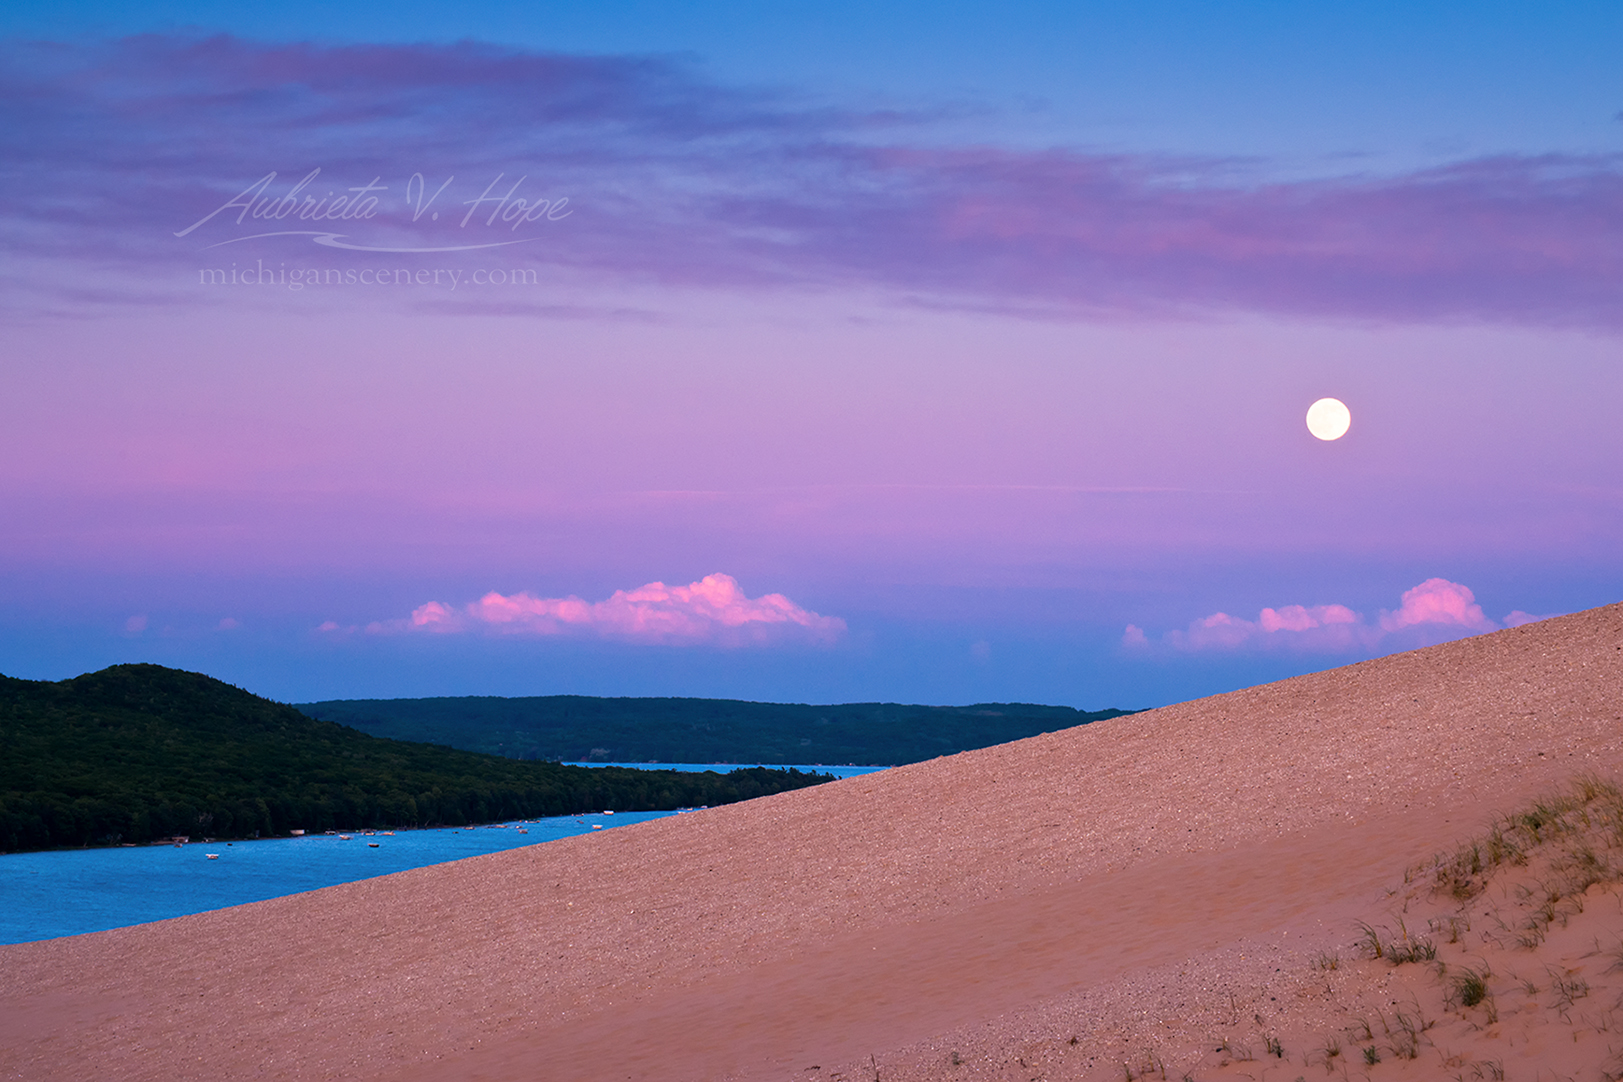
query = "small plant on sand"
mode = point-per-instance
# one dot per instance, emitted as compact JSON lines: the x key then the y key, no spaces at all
{"x":1544,"y":815}
{"x":1404,"y":948}
{"x":1413,"y":950}
{"x":1586,"y":869}
{"x":1371,"y":1057}
{"x":1533,"y":934}
{"x":1273,"y":1047}
{"x":1406,"y":1041}
{"x":1499,"y":848}
{"x":1470,"y":988}
{"x":1546,"y":912}
{"x":1327,"y":961}
{"x":1458,"y":875}
{"x":1566,"y":988}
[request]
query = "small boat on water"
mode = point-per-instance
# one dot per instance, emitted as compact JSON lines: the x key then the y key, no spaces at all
{"x":212,"y":856}
{"x":371,"y":845}
{"x":343,"y":837}
{"x":297,"y":833}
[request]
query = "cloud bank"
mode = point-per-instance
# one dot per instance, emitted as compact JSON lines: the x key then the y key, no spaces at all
{"x":714,"y":610}
{"x":673,"y":179}
{"x":1433,"y":611}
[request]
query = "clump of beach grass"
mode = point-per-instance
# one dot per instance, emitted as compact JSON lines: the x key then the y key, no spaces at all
{"x":1399,"y":949}
{"x":1591,"y":806}
{"x":1469,"y":988}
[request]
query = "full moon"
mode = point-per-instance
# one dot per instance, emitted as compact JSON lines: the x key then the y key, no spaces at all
{"x":1328,"y":419}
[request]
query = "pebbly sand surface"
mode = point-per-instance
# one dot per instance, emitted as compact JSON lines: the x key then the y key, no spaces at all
{"x":1097,"y":901}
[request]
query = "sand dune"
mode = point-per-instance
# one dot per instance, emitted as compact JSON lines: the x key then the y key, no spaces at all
{"x":1142,"y":885}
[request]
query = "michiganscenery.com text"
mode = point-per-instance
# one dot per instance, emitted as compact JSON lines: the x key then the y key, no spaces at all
{"x":297,"y":278}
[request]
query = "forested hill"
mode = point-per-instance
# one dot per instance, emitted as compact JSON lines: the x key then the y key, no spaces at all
{"x":576,"y":728}
{"x":139,"y":752}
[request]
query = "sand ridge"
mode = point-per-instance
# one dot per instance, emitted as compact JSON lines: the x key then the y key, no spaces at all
{"x":860,"y":918}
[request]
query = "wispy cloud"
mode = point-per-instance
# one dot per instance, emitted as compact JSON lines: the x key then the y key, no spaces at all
{"x":713,"y":610}
{"x":1435,"y":610}
{"x":672,"y":178}
{"x":1518,"y":618}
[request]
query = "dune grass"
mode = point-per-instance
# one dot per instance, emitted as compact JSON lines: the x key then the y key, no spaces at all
{"x":1531,"y":872}
{"x":1464,"y":923}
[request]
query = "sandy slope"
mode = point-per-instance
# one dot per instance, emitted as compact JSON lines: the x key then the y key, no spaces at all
{"x":1137,"y":884}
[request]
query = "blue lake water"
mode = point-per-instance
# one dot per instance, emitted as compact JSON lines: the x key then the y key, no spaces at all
{"x":67,"y":892}
{"x":722,"y":768}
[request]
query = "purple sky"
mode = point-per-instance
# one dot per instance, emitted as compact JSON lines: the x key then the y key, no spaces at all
{"x":624,"y":370}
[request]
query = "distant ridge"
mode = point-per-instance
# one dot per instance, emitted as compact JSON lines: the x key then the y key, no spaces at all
{"x":580,"y":728}
{"x":138,"y":752}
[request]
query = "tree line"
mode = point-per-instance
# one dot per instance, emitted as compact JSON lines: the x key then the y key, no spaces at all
{"x":581,"y":728}
{"x":138,"y":753}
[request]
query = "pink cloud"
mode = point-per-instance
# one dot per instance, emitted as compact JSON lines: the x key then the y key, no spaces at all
{"x":1434,"y":610}
{"x":1217,"y":631}
{"x":434,"y":617}
{"x":1438,"y":602}
{"x":1297,"y":618}
{"x":715,"y":609}
{"x":1518,"y":618}
{"x":1331,"y":628}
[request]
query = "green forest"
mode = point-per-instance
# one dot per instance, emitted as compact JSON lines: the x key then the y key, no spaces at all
{"x":136,"y":753}
{"x":577,"y":728}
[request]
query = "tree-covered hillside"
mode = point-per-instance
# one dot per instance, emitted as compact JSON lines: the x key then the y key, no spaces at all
{"x":139,"y":752}
{"x":576,"y":728}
